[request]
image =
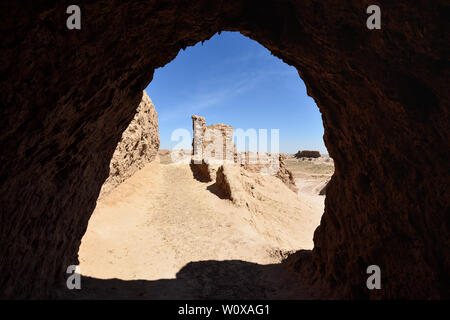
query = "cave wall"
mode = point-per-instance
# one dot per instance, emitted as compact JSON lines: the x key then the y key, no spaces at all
{"x":67,"y":96}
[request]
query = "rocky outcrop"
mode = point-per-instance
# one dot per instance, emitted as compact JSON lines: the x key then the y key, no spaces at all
{"x":138,"y":146}
{"x":307,"y":154}
{"x":67,"y":96}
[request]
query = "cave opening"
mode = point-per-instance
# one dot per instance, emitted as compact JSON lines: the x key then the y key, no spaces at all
{"x":68,"y":95}
{"x":155,"y":215}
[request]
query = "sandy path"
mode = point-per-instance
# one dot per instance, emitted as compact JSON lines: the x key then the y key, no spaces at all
{"x":160,"y":220}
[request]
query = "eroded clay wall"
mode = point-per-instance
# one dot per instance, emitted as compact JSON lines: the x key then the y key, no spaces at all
{"x":213,"y":146}
{"x":138,"y":146}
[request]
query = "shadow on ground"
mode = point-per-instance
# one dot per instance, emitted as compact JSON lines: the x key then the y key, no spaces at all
{"x":231,"y":279}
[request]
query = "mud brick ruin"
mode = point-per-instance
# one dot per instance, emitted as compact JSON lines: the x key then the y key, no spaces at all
{"x":213,"y":146}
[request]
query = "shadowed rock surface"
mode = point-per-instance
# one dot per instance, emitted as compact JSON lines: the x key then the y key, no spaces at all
{"x":323,"y":191}
{"x":67,"y":96}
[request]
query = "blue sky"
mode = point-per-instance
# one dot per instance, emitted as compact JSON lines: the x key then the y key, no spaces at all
{"x":234,"y":80}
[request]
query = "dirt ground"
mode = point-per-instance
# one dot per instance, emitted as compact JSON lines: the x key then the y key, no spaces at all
{"x":161,"y":233}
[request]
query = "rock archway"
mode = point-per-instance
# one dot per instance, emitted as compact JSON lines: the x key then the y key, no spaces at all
{"x":67,"y":95}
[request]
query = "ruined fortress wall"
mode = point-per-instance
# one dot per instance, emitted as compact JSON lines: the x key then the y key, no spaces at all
{"x":67,"y":96}
{"x":138,"y":146}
